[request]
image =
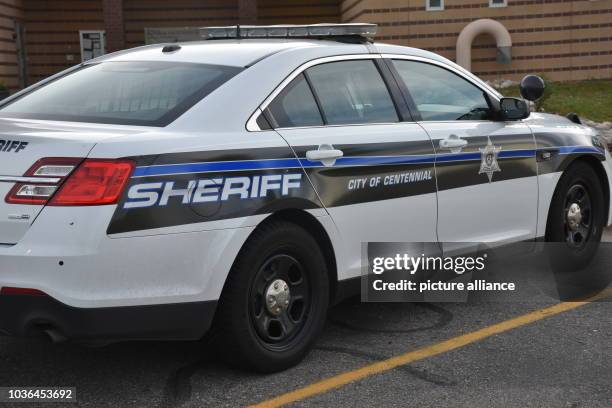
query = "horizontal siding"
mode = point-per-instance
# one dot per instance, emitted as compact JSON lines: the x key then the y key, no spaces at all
{"x":52,"y":27}
{"x":563,"y":39}
{"x":52,"y":33}
{"x":10,"y":11}
{"x":298,"y":11}
{"x":141,"y":14}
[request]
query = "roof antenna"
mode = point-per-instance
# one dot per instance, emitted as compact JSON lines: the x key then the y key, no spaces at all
{"x":171,"y":48}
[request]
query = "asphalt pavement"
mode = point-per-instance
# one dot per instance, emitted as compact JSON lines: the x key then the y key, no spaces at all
{"x":560,"y":361}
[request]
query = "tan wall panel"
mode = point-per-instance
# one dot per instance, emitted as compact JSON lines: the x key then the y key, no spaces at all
{"x":565,"y":31}
{"x":592,"y":60}
{"x":10,"y":11}
{"x":590,"y":74}
{"x":9,"y":69}
{"x":67,"y":38}
{"x":52,"y":32}
{"x":48,"y":27}
{"x":298,"y":12}
{"x":62,"y":15}
{"x":591,"y":5}
{"x":298,"y":20}
{"x":592,"y":19}
{"x":140,"y":14}
{"x":595,"y":46}
{"x":8,"y":59}
{"x":53,"y":27}
{"x":350,"y":8}
{"x":52,"y":59}
{"x":178,"y":15}
{"x":61,"y":4}
{"x":144,"y":5}
{"x":8,"y":48}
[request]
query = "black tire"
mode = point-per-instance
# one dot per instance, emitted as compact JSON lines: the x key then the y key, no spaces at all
{"x":573,"y":245}
{"x":284,"y":251}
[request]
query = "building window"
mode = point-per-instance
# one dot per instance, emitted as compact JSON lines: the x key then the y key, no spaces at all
{"x":498,"y":3}
{"x":433,"y":5}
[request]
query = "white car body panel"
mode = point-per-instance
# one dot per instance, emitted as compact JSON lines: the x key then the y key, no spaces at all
{"x":373,"y":221}
{"x":189,"y":262}
{"x":506,"y":211}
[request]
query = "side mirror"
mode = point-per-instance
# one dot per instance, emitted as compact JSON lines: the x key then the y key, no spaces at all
{"x":513,"y":109}
{"x":532,"y":87}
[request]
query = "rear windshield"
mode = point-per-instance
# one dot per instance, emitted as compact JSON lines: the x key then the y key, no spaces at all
{"x":151,"y":93}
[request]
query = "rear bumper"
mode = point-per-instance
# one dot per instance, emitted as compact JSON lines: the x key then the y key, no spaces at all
{"x":67,"y":255}
{"x":29,"y":315}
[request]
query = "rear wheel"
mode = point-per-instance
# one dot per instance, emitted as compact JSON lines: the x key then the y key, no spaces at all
{"x":275,"y":300}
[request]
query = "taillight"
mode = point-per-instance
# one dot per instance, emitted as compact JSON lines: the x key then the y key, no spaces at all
{"x":21,"y":291}
{"x":94,"y":182}
{"x":72,"y":181}
{"x":43,"y":179}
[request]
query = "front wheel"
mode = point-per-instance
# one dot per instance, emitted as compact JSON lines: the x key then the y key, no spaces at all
{"x":575,"y":225}
{"x":275,"y":300}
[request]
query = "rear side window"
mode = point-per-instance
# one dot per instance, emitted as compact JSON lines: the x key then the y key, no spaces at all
{"x":151,"y":93}
{"x":352,"y":92}
{"x":296,"y":106}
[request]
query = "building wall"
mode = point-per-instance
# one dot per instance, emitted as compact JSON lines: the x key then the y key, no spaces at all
{"x":298,"y":11}
{"x":10,"y":10}
{"x":139,"y":14}
{"x":562,"y":39}
{"x":52,"y":27}
{"x":52,"y":33}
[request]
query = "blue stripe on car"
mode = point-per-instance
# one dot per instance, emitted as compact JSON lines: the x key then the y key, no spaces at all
{"x":287,"y":163}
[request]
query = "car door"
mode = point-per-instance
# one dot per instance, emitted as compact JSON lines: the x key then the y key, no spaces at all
{"x":373,"y":172}
{"x":486,"y":169}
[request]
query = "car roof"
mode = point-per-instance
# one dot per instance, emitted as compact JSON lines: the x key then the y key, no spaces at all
{"x":238,"y":53}
{"x":244,"y":52}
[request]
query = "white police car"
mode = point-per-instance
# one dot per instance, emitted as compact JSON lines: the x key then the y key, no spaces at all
{"x":161,"y":191}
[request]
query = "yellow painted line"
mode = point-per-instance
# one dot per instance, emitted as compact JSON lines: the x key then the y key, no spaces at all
{"x":348,"y":377}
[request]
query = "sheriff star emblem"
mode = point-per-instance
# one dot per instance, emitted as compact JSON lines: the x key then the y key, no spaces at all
{"x":488,"y":163}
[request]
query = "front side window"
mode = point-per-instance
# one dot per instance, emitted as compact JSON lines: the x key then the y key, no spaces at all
{"x":296,"y":106}
{"x":441,"y":95}
{"x":148,"y":93}
{"x":352,"y":92}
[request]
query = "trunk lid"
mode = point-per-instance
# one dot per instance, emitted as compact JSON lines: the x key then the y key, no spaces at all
{"x":22,"y":143}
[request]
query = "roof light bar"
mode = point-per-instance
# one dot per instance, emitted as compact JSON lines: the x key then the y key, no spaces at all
{"x":289,"y":31}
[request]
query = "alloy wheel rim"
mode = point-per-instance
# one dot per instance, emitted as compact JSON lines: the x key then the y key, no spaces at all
{"x":577,"y":216}
{"x":279,"y":301}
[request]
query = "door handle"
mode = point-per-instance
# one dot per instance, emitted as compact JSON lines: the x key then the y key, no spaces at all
{"x":325,"y":154}
{"x":453,"y":143}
